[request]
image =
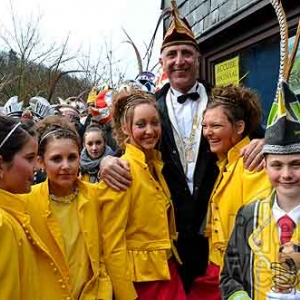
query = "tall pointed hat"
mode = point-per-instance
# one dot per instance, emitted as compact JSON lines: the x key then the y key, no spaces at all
{"x":283,"y":129}
{"x":179,"y":31}
{"x":92,"y":96}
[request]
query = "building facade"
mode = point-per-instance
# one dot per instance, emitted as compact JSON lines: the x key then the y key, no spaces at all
{"x":239,"y":41}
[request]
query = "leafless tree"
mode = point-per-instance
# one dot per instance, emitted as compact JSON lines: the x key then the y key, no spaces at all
{"x":34,"y":56}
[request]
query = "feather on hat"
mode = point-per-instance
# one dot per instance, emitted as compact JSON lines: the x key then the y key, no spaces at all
{"x":283,"y":128}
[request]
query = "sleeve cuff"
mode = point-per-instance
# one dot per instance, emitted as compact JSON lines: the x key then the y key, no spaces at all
{"x":239,"y":295}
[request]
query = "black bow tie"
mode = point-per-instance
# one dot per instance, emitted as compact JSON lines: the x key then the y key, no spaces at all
{"x":193,"y":96}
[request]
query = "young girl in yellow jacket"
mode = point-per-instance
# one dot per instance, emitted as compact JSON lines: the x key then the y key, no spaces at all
{"x":64,"y":213}
{"x":19,"y":243}
{"x":138,"y":224}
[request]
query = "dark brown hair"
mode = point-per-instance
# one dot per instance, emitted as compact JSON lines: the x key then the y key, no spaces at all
{"x":239,"y":103}
{"x":123,"y":107}
{"x":56,"y":127}
{"x":94,"y":128}
{"x":18,"y":138}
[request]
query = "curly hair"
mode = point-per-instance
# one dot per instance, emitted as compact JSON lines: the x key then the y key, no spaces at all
{"x":56,"y":127}
{"x":123,"y":107}
{"x":239,"y":103}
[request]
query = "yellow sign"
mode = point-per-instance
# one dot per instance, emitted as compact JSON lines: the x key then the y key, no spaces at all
{"x":227,"y":72}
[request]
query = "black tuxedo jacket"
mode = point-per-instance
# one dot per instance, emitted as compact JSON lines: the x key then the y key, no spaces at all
{"x":190,"y":208}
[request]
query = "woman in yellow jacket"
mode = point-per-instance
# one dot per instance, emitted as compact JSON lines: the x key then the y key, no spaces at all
{"x":64,"y":213}
{"x":19,"y":243}
{"x":138,"y":224}
{"x":231,"y":116}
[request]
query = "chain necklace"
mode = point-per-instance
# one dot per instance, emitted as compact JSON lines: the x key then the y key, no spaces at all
{"x":65,"y":199}
{"x":189,"y":142}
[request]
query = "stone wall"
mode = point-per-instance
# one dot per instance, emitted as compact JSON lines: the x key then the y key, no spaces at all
{"x":202,"y":15}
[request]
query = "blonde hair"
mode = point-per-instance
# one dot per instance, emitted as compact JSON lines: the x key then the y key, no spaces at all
{"x":123,"y":107}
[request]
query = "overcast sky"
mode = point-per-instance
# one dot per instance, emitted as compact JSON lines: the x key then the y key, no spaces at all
{"x":90,"y":22}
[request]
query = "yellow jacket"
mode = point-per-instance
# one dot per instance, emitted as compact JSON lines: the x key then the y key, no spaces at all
{"x":138,"y":226}
{"x":85,"y":177}
{"x":54,"y":277}
{"x":19,"y":246}
{"x":234,"y":187}
{"x":264,"y":243}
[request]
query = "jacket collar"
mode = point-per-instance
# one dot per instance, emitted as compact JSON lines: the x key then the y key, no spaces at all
{"x":234,"y":153}
{"x":12,"y":202}
{"x":139,"y":155}
{"x":44,"y":188}
{"x":54,"y":227}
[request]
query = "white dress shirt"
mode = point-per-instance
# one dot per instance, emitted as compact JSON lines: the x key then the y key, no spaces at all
{"x":278,"y":212}
{"x":182,"y":117}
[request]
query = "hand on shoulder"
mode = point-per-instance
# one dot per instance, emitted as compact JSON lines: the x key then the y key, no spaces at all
{"x":252,"y":155}
{"x":115,"y":172}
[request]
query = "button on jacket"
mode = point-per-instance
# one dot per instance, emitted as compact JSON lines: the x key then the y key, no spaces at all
{"x":138,"y":225}
{"x":19,"y":247}
{"x":235,"y":187}
{"x":55,"y":276}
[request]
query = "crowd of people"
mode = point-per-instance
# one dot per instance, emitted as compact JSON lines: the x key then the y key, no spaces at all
{"x":177,"y":194}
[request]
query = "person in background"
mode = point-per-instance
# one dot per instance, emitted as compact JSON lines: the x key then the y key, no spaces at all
{"x":232,"y":114}
{"x":90,"y":103}
{"x":64,"y":212}
{"x":190,"y":168}
{"x":138,"y":225}
{"x":71,"y":114}
{"x":103,"y":116}
{"x":95,"y":148}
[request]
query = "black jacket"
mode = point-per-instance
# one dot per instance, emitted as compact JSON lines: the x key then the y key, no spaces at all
{"x":190,"y":208}
{"x":237,"y":272}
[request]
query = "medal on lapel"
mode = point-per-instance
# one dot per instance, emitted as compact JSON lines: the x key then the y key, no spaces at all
{"x":190,"y":155}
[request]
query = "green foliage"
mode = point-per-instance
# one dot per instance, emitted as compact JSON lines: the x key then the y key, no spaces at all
{"x":295,"y":76}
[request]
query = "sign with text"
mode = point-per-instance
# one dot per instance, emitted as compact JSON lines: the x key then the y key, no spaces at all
{"x":227,"y":72}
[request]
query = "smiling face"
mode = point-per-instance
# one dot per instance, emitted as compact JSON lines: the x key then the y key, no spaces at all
{"x":18,"y":174}
{"x":284,"y":174}
{"x":220,"y":133}
{"x":181,"y":64}
{"x":145,"y":129}
{"x":61,"y":163}
{"x":94,"y":143}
